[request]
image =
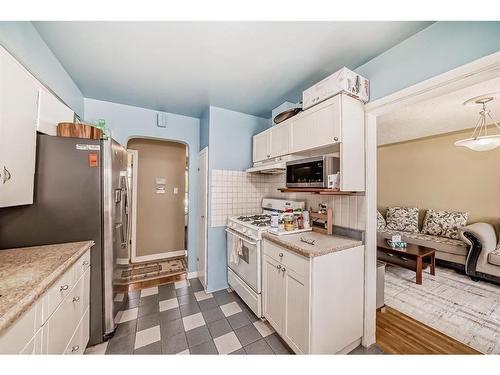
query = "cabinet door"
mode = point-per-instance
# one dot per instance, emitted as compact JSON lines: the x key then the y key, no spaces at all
{"x":272,"y":293}
{"x":280,"y":139}
{"x":261,"y":146}
{"x":296,"y":311}
{"x":319,"y":128}
{"x":18,"y":96}
{"x":51,"y":111}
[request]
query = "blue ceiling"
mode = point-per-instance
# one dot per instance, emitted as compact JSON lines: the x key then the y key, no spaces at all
{"x":183,"y":67}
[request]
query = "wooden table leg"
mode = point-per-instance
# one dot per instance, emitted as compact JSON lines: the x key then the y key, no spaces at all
{"x":433,"y":264}
{"x":419,"y":270}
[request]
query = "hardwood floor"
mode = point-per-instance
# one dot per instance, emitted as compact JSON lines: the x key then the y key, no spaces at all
{"x":397,"y":333}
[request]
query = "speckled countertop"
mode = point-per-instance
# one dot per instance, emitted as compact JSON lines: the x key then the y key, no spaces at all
{"x":26,"y":273}
{"x":323,"y":244}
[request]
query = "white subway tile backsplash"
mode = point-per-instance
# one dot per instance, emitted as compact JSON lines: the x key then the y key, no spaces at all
{"x":237,"y":193}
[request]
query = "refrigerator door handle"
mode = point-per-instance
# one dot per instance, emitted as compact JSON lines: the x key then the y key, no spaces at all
{"x":119,"y":227}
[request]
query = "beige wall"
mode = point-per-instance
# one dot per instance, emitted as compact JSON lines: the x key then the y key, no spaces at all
{"x":160,"y":217}
{"x":433,"y":173}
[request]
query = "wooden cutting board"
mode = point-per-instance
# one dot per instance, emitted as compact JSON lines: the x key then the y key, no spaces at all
{"x":69,"y":129}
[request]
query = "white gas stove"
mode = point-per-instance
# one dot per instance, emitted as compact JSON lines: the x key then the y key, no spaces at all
{"x":244,"y":254}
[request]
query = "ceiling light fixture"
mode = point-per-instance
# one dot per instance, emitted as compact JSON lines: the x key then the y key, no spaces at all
{"x":480,"y":140}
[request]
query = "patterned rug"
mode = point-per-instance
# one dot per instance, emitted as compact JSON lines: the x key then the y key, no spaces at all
{"x":145,"y":271}
{"x":449,"y":302}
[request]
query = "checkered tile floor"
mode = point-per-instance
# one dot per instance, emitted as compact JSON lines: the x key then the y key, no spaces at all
{"x":180,"y":318}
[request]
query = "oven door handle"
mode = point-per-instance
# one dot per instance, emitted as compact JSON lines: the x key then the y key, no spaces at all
{"x":240,"y":237}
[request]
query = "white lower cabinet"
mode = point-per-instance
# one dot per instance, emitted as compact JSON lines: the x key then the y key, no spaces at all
{"x":314,"y":304}
{"x":58,"y":322}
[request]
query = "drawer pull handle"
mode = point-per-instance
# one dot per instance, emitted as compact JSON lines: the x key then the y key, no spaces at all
{"x":281,"y":255}
{"x":75,"y":348}
{"x":278,"y":266}
{"x":283,"y":269}
{"x":85,"y":263}
{"x":76,"y":299}
{"x":64,"y":287}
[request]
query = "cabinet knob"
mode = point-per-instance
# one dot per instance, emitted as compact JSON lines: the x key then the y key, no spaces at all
{"x":335,"y":139}
{"x":85,"y":263}
{"x":281,"y":255}
{"x":76,"y":299}
{"x":283,"y":269}
{"x":64,"y":287}
{"x":278,"y":266}
{"x":75,"y":348}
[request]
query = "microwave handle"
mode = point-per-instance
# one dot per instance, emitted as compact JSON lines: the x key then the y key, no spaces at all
{"x":240,"y":237}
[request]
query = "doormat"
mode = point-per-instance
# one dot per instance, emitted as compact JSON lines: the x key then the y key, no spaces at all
{"x":132,"y":273}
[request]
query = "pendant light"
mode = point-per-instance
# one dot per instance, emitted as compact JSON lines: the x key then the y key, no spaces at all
{"x":480,"y":139}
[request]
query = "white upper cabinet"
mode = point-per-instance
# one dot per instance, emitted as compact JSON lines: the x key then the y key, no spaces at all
{"x":18,"y":110}
{"x":272,"y":143}
{"x":335,"y":125}
{"x":261,"y":146}
{"x":51,"y":111}
{"x":317,"y":127}
{"x":279,"y":140}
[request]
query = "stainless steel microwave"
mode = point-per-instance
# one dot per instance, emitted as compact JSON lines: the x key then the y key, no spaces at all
{"x":311,"y":172}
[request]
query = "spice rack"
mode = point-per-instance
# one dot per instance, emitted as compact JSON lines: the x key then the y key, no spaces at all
{"x":326,"y":217}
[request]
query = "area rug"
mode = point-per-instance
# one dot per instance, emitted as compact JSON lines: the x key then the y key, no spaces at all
{"x":132,"y":273}
{"x":449,"y":302}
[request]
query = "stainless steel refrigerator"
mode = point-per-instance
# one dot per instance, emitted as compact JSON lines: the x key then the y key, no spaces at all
{"x":81,"y":193}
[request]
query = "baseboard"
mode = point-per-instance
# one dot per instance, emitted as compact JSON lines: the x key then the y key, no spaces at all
{"x":192,"y":275}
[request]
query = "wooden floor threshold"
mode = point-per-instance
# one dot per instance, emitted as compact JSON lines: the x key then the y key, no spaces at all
{"x":151,"y":283}
{"x":397,"y":333}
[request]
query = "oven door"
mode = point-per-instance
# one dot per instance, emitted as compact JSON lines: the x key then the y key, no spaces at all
{"x":247,"y":264}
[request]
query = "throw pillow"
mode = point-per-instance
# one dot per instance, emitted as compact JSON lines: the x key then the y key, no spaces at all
{"x":381,"y":225}
{"x":444,"y":223}
{"x":403,"y":219}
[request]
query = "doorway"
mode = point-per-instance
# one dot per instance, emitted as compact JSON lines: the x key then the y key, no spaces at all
{"x":160,"y":199}
{"x":431,"y":138}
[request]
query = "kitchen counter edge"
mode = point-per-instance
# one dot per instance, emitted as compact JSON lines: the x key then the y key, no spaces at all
{"x":309,"y":251}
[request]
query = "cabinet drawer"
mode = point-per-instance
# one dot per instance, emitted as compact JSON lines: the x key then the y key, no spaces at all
{"x":80,"y":338}
{"x":65,"y":319}
{"x":82,"y":265}
{"x":61,"y":288}
{"x":288,"y":259}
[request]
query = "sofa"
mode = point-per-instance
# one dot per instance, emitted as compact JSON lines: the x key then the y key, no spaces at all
{"x":471,"y":249}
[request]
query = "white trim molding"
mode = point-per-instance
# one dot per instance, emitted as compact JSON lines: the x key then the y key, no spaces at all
{"x":477,"y":71}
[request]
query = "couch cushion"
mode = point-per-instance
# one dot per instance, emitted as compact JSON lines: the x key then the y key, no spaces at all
{"x":446,"y":245}
{"x":494,"y":256}
{"x":380,"y":221}
{"x":444,"y":223}
{"x":403,"y":219}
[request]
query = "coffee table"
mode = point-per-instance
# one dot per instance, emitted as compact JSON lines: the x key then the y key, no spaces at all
{"x":413,"y":257}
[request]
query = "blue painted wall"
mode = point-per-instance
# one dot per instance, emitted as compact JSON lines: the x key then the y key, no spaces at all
{"x":230,"y":147}
{"x":22,"y":40}
{"x":204,"y":129}
{"x":127,"y":122}
{"x":435,"y":50}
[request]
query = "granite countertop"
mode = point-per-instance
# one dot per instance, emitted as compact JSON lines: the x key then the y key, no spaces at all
{"x":26,"y":273}
{"x":323,"y":244}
